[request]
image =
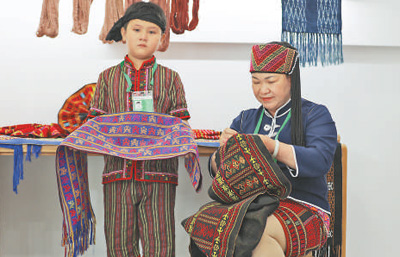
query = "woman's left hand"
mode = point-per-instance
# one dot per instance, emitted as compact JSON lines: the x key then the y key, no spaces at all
{"x":226,"y":134}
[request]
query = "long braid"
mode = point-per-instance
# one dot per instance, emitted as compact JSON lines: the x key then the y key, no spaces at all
{"x":297,"y":130}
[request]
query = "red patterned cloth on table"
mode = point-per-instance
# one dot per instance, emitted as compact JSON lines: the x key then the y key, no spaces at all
{"x":34,"y":130}
{"x":246,"y":190}
{"x":130,"y":135}
{"x":206,"y":134}
{"x":75,"y":109}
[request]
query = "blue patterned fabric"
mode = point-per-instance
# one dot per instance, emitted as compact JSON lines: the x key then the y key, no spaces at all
{"x":129,"y":135}
{"x":314,"y":27}
{"x":34,"y":146}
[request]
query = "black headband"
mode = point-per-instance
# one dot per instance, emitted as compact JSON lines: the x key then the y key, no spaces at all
{"x":145,"y":11}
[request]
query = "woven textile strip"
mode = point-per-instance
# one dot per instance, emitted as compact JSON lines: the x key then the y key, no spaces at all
{"x":130,"y":135}
{"x":314,"y":27}
{"x":245,"y":173}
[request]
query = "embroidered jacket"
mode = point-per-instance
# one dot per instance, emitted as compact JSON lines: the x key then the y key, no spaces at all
{"x":312,"y":160}
{"x":111,"y":96}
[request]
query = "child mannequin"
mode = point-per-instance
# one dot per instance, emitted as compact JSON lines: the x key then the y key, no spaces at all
{"x":139,"y":202}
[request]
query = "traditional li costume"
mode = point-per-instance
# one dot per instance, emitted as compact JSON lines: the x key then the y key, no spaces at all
{"x":304,"y":211}
{"x":140,"y":191}
{"x":139,"y":194}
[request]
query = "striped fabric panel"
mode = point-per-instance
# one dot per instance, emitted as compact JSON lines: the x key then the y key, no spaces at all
{"x":169,"y":97}
{"x":152,"y":220}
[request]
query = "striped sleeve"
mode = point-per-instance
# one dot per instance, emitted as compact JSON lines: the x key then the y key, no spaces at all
{"x":178,"y":100}
{"x":98,"y":104}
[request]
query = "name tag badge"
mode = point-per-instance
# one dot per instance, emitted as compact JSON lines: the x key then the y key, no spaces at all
{"x":142,"y":101}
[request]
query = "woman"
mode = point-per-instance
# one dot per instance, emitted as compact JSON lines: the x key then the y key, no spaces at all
{"x":301,"y":136}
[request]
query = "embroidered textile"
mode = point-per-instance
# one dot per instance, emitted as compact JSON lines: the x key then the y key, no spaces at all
{"x":206,"y":134}
{"x":220,"y":229}
{"x":244,"y":169}
{"x":273,"y":58}
{"x":314,"y":27}
{"x":130,"y":135}
{"x":34,"y":130}
{"x":75,"y":109}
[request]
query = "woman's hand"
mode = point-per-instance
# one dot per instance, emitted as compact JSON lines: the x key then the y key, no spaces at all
{"x":285,"y":152}
{"x":226,"y":134}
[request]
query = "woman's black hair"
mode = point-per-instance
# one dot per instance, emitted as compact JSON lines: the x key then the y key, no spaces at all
{"x":297,"y":130}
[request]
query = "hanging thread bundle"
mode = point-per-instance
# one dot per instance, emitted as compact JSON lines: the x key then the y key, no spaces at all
{"x":179,"y":17}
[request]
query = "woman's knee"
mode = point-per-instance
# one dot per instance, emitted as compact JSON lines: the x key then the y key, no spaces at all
{"x":275,"y":230}
{"x":273,"y":240}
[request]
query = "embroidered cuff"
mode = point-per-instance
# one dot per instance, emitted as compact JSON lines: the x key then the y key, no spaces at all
{"x":181,"y":113}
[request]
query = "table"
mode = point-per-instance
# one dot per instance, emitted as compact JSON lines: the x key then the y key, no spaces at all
{"x":20,"y":147}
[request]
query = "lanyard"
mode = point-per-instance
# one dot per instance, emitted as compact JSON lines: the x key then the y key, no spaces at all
{"x":257,"y":129}
{"x":128,"y":79}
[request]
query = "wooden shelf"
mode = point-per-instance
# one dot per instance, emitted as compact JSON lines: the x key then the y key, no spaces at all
{"x":51,"y":150}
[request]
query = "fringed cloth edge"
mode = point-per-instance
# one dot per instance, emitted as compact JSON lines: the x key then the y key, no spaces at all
{"x":327,"y":48}
{"x":131,"y":135}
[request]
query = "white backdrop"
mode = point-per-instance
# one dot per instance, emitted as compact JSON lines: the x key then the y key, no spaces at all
{"x":38,"y":74}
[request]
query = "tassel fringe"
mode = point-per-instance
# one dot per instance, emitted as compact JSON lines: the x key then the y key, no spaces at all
{"x":314,"y":47}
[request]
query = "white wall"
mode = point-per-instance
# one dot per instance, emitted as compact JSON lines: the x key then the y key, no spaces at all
{"x":38,"y":74}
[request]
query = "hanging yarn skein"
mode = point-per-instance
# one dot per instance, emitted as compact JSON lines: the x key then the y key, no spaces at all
{"x":165,"y":5}
{"x":114,"y":11}
{"x":48,"y":25}
{"x":179,"y":17}
{"x":81,"y":12}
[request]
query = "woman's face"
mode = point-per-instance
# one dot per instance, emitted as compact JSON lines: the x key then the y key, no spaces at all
{"x":271,"y":90}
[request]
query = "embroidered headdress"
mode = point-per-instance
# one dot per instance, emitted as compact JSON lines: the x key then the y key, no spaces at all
{"x":273,"y":57}
{"x":281,"y":57}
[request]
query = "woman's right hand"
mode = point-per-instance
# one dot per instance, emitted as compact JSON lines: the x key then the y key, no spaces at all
{"x":226,"y":134}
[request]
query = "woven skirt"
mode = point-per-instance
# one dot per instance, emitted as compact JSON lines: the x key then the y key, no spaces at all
{"x":306,"y":227}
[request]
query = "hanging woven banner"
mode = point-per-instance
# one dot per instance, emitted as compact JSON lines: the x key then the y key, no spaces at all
{"x":314,"y":27}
